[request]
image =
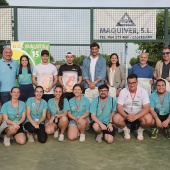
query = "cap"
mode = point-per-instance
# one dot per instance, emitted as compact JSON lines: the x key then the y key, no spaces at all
{"x":44,"y":52}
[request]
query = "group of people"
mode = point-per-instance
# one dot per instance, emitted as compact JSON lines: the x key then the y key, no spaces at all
{"x":48,"y":101}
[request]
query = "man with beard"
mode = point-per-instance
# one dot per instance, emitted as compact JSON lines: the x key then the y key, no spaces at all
{"x":160,"y":109}
{"x":102,"y":110}
{"x":142,"y":69}
{"x":69,"y":75}
{"x":133,"y":107}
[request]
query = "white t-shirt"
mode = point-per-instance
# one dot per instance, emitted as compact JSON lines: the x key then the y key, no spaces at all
{"x":140,"y":98}
{"x":92,"y":67}
{"x":45,"y":73}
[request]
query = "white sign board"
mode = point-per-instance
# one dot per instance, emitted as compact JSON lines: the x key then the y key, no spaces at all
{"x":124,"y":24}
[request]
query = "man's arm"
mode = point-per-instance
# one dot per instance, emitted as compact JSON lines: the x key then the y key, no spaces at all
{"x":34,"y":80}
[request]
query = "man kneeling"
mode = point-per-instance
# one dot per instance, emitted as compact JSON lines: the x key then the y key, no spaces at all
{"x":133,"y":107}
{"x":102,"y":110}
{"x":160,"y":109}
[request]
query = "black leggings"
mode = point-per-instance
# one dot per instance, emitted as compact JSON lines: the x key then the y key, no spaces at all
{"x":41,"y":134}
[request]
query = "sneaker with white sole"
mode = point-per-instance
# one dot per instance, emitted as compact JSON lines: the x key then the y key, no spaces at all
{"x":140,"y":134}
{"x":56,"y":134}
{"x":30,"y":137}
{"x":99,"y":138}
{"x":61,"y":137}
{"x":126,"y":133}
{"x":82,"y":138}
{"x":7,"y":141}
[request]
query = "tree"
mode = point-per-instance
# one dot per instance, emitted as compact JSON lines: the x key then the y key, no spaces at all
{"x":155,"y":49}
{"x":3,"y":3}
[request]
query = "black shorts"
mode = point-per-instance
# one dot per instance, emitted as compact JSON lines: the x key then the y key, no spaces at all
{"x":106,"y":131}
{"x":163,"y":117}
{"x":46,"y":97}
{"x":20,"y":130}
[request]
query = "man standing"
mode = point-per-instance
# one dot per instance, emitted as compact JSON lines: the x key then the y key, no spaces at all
{"x":94,"y":68}
{"x":45,"y":75}
{"x":142,"y":69}
{"x":102,"y":110}
{"x":160,"y":108}
{"x":8,"y":73}
{"x":162,"y":68}
{"x":69,"y":75}
{"x":133,"y":106}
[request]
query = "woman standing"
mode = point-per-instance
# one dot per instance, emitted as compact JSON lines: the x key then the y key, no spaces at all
{"x":14,"y":115}
{"x":115,"y":74}
{"x":25,"y":79}
{"x":57,"y":114}
{"x":36,"y":109}
{"x":79,"y":114}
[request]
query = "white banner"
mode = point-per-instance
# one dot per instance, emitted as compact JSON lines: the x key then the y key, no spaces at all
{"x":125,"y":24}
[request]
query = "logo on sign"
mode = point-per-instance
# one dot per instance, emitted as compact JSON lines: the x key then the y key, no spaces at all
{"x":125,"y":21}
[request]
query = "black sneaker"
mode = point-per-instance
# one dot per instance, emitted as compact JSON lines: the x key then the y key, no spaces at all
{"x":168,"y":133}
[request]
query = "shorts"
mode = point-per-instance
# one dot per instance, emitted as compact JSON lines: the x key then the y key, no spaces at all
{"x":106,"y":132}
{"x":163,"y":117}
{"x":73,"y":122}
{"x":20,"y":130}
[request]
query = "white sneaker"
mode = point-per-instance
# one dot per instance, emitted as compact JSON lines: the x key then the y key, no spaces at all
{"x":56,"y":134}
{"x":7,"y":141}
{"x":30,"y":138}
{"x":99,"y":138}
{"x":140,"y":134}
{"x":61,"y":137}
{"x":82,"y":138}
{"x":126,"y":133}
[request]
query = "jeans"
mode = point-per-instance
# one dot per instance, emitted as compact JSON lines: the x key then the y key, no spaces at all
{"x":4,"y":97}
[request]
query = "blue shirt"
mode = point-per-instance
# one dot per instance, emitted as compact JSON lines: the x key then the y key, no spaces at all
{"x":155,"y":103}
{"x":108,"y":107}
{"x":100,"y":70}
{"x":14,"y":113}
{"x":24,"y":78}
{"x":142,"y":72}
{"x":79,"y":107}
{"x":36,"y":109}
{"x":54,"y":108}
{"x":8,"y":72}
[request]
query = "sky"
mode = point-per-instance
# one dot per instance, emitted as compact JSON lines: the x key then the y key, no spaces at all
{"x":91,"y":3}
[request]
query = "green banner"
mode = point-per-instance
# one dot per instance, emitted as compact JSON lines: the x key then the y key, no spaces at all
{"x":31,"y":49}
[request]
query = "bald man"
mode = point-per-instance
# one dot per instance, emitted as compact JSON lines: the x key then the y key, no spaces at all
{"x":8,"y":72}
{"x":142,"y":69}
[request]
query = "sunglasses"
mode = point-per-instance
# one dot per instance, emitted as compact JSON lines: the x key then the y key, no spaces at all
{"x":166,"y":53}
{"x":9,"y":66}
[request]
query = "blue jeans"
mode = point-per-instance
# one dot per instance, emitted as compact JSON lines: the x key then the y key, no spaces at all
{"x":4,"y":97}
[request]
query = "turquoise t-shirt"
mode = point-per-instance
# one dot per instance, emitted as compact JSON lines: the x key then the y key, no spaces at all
{"x":79,"y":107}
{"x":155,"y":103}
{"x":14,"y":113}
{"x":24,"y":78}
{"x":54,"y":109}
{"x":108,"y":107}
{"x":36,"y":108}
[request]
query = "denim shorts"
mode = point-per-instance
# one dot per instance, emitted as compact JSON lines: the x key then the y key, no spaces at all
{"x":73,"y":122}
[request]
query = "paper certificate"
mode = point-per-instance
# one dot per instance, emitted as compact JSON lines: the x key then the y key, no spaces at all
{"x":69,"y":80}
{"x":91,"y":93}
{"x":45,"y":82}
{"x":145,"y":83}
